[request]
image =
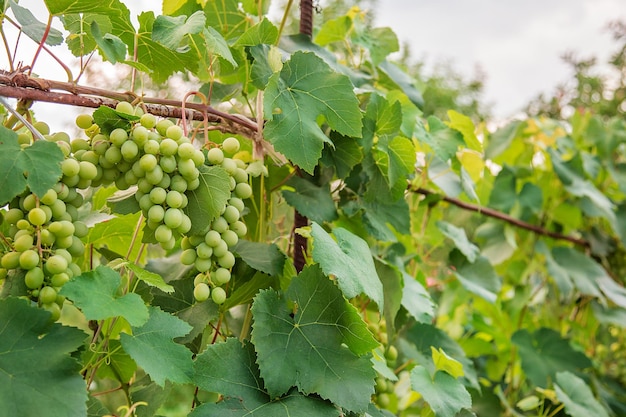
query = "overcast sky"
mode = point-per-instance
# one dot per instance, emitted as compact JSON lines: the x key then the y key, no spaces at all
{"x":517,"y":43}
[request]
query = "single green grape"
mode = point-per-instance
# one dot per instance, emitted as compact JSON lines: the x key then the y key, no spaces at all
{"x":129,"y":150}
{"x":227,"y":261}
{"x":231,"y":214}
{"x":204,"y":251}
{"x":163,"y":125}
{"x":148,"y":120}
{"x":215,"y":156}
{"x":188,"y":256}
{"x":212,"y":238}
{"x":10,"y":260}
{"x":163,"y":234}
{"x":221,"y":276}
{"x":230,"y":237}
{"x":231,"y":145}
{"x":148,"y":162}
{"x":56,"y":264}
{"x":220,"y":225}
{"x":125,"y":107}
{"x":118,"y":137}
{"x":186,"y":151}
{"x":34,"y":278}
{"x":29,"y":259}
{"x":218,"y":295}
{"x":47,"y":295}
{"x":84,"y":121}
{"x":174,"y":199}
{"x":173,"y":218}
{"x":201,"y":292}
{"x":230,"y":166}
{"x":202,"y":264}
{"x":23,"y":243}
{"x":174,"y":132}
{"x":37,"y":216}
{"x":158,"y":195}
{"x":243,"y":190}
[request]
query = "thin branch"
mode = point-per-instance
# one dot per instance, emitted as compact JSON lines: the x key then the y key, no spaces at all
{"x":505,"y":217}
{"x":22,"y":86}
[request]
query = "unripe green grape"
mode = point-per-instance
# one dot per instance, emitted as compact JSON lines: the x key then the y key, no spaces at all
{"x":65,"y":254}
{"x":42,"y":127}
{"x":137,"y":170}
{"x":174,"y":199}
{"x":173,"y":218}
{"x":243,"y":190}
{"x":221,"y":249}
{"x":218,"y":295}
{"x":105,"y":163}
{"x":113,"y":155}
{"x":162,"y":126}
{"x":187,"y":169}
{"x":80,"y":229}
{"x":29,"y":259}
{"x":130,"y":178}
{"x":227,"y":261}
{"x":62,"y":190}
{"x":169,"y":244}
{"x":212,"y":238}
{"x":23,"y":242}
{"x":125,"y":107}
{"x":144,"y":186}
{"x":168,"y":164}
{"x":48,"y":211}
{"x":99,"y":144}
{"x":72,"y":212}
{"x":77,"y":248}
{"x":88,"y":170}
{"x":37,"y":216}
{"x":139,"y":111}
{"x":121,"y":184}
{"x":185,"y":225}
{"x":241,"y":175}
{"x":23,"y":224}
{"x":201,"y":292}
{"x":156,"y":214}
{"x":186,"y":151}
{"x":202,"y":264}
{"x":118,"y":137}
{"x":198,"y":158}
{"x":47,"y":295}
{"x":148,"y":162}
{"x":144,"y":203}
{"x":71,"y":195}
{"x":84,"y":183}
{"x":188,"y":257}
{"x":58,"y":209}
{"x":185,"y":201}
{"x":123,"y":166}
{"x":54,"y":310}
{"x":174,"y":132}
{"x":129,"y":150}
{"x":58,"y":280}
{"x":65,"y":147}
{"x":155,"y":176}
{"x":24,"y":138}
{"x":64,"y":242}
{"x":84,"y":121}
{"x":165,"y":182}
{"x":148,"y":120}
{"x":230,"y":145}
{"x":61,"y":137}
{"x":178,"y":183}
{"x":193,"y":184}
{"x":70,"y":181}
{"x":230,"y":166}
{"x":75,"y":269}
{"x":221,"y":276}
{"x":10,"y":260}
{"x":185,"y":243}
{"x":56,"y":264}
{"x":204,"y":251}
{"x":49,"y":197}
{"x":140,"y":135}
{"x":168,"y":147}
{"x":231,"y":214}
{"x":47,"y":238}
{"x":220,"y":225}
{"x":158,"y":195}
{"x":62,"y":228}
{"x":195,"y":240}
{"x":231,"y":238}
{"x":237,"y":203}
{"x":200,"y":278}
{"x":29,"y":202}
{"x":13,"y":215}
{"x":215,"y":156}
{"x":232,"y":183}
{"x":162,"y":234}
{"x":152,"y":225}
{"x":79,"y":144}
{"x":34,"y":278}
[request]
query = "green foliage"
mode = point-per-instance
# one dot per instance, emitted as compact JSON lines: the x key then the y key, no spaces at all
{"x":449,"y":270}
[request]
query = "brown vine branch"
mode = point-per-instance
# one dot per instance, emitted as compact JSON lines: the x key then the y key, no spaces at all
{"x":504,"y":217}
{"x":21,"y":86}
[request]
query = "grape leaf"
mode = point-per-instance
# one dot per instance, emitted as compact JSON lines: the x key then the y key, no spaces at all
{"x":464,"y":124}
{"x":261,"y":256}
{"x":170,"y":30}
{"x":334,"y":30}
{"x":109,"y":119}
{"x":478,"y":277}
{"x":150,"y":278}
{"x":304,"y":89}
{"x":111,"y":47}
{"x":37,"y":374}
{"x":115,"y":234}
{"x":380,"y":42}
{"x":33,"y":28}
{"x":416,"y":300}
{"x":310,"y":200}
{"x":379,"y":215}
{"x":544,"y":353}
{"x":81,"y":40}
{"x":217,"y":45}
{"x":344,"y":155}
{"x":208,"y":200}
{"x":263,"y":33}
{"x":96,"y":294}
{"x":460,"y":240}
{"x":444,"y":393}
{"x":37,"y":166}
{"x":230,"y":369}
{"x":577,"y":397}
{"x":266,"y":60}
{"x":349,"y":260}
{"x":152,"y":347}
{"x":323,"y":325}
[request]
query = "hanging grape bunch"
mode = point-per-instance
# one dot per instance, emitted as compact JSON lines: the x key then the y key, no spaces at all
{"x":44,"y":233}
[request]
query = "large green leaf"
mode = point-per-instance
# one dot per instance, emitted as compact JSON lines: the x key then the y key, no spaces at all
{"x":458,"y":236}
{"x":37,"y":374}
{"x":152,"y":347}
{"x":333,"y":30}
{"x":577,"y":397}
{"x":115,"y":234}
{"x":171,"y":30}
{"x":478,"y":277}
{"x":326,"y":329}
{"x":96,"y":294}
{"x":582,"y":271}
{"x":444,"y":393}
{"x":32,"y":27}
{"x":263,"y":33}
{"x":344,"y":155}
{"x":263,"y":257}
{"x":208,"y":200}
{"x":112,"y":48}
{"x":81,"y":41}
{"x":310,"y":200}
{"x":305,"y":89}
{"x":37,"y":166}
{"x":416,"y":300}
{"x":544,"y":353}
{"x":349,"y":260}
{"x":464,"y":124}
{"x":379,"y":215}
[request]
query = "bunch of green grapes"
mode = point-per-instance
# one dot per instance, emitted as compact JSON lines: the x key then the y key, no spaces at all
{"x":43,"y":239}
{"x":211,"y":254}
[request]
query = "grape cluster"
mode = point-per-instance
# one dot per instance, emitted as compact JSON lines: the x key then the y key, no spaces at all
{"x":156,"y":157}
